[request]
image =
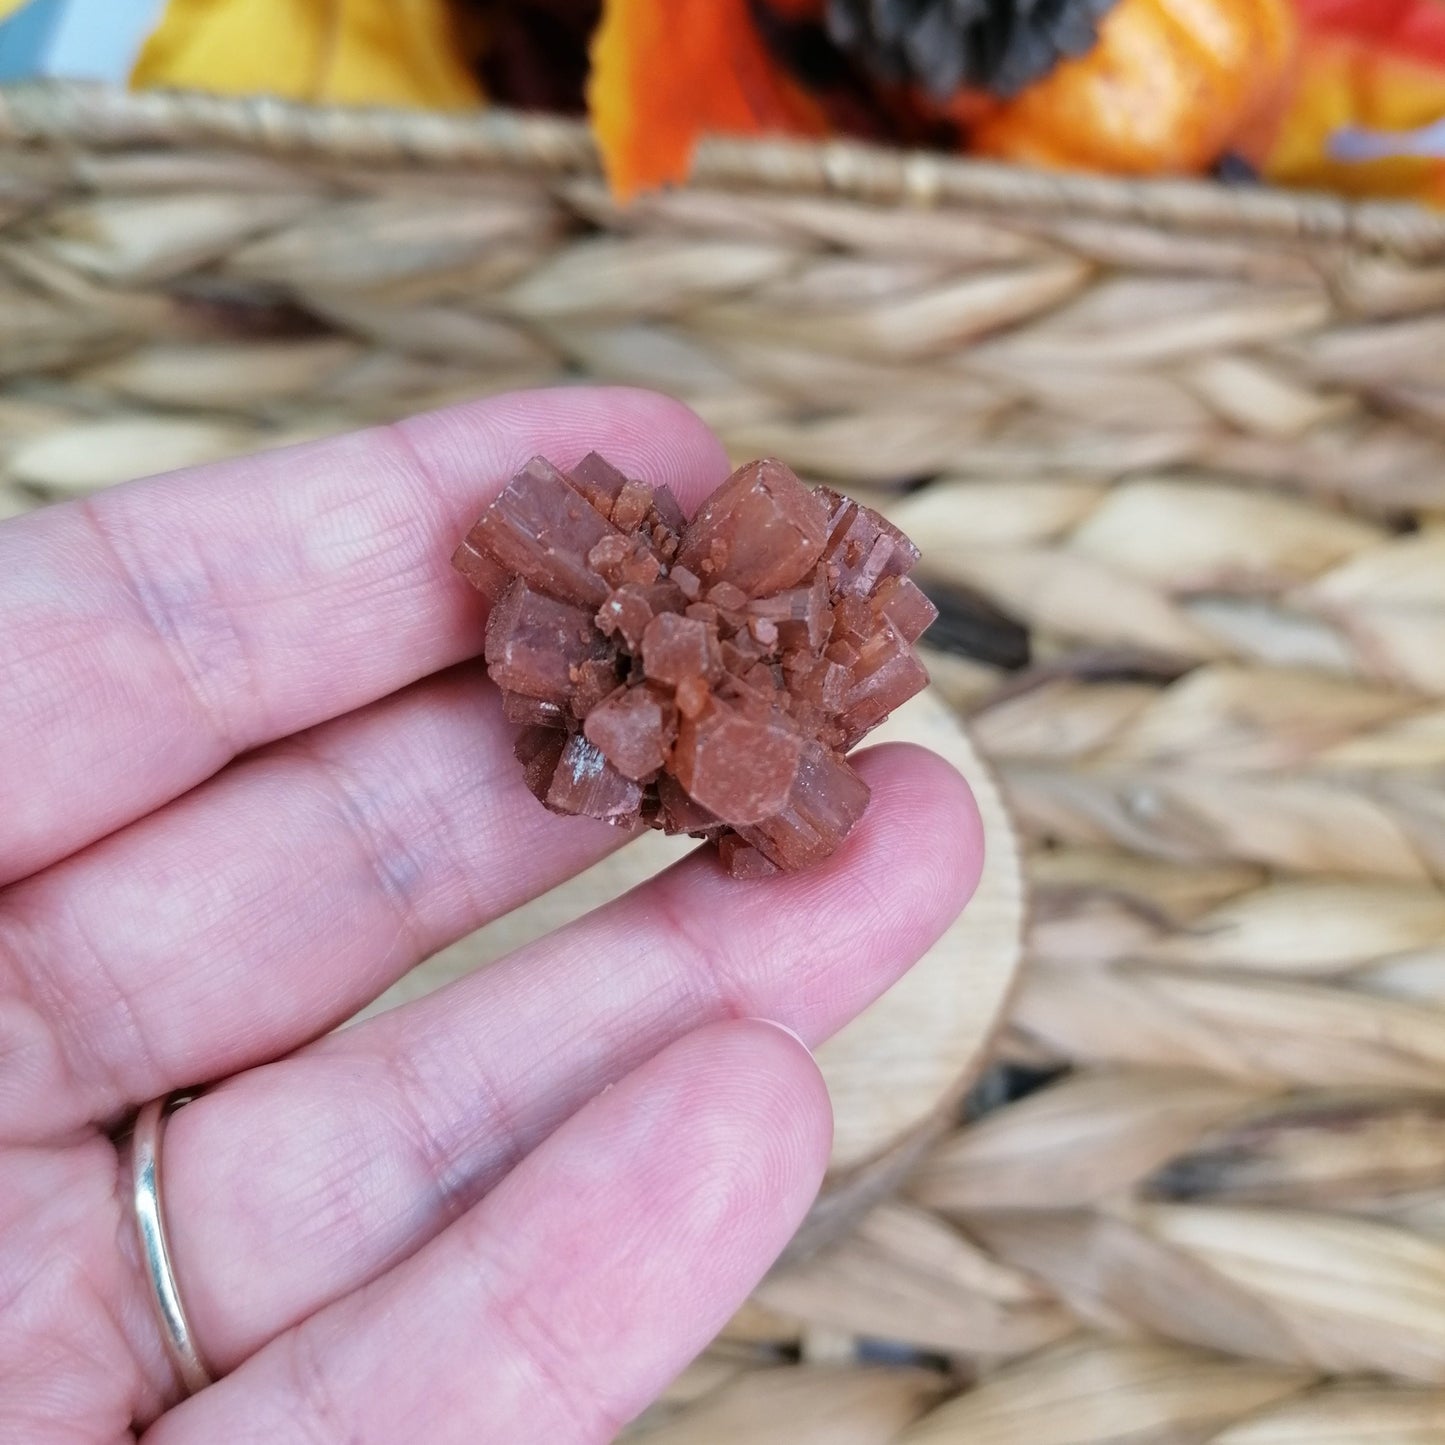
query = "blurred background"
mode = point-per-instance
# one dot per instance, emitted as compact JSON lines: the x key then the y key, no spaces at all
{"x":1132,"y":314}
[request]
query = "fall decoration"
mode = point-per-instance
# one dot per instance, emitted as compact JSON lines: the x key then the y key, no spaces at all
{"x":1168,"y":88}
{"x":531,"y":53}
{"x":1000,"y":46}
{"x":701,"y":677}
{"x":665,"y":72}
{"x":375,"y":52}
{"x":1373,"y":64}
{"x":1245,"y":89}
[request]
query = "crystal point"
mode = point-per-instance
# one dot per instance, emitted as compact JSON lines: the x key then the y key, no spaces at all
{"x":541,"y":529}
{"x":762,"y":531}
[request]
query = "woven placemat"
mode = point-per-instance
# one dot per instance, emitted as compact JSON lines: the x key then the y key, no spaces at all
{"x":1176,"y":454}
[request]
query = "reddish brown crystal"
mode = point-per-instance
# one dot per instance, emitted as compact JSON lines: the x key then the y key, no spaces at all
{"x":541,"y":530}
{"x":739,"y":768}
{"x":762,"y":531}
{"x":674,"y":649}
{"x":585,"y":784}
{"x":702,"y":677}
{"x":635,"y":729}
{"x":535,"y":644}
{"x":826,"y":800}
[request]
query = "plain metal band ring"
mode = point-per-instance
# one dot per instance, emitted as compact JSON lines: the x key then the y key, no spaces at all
{"x":180,"y":1341}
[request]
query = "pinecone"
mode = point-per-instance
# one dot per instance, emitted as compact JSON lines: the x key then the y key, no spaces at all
{"x":999,"y":46}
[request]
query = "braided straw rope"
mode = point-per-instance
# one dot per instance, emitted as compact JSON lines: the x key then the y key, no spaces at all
{"x":1277,"y":766}
{"x":1084,"y":1393}
{"x":1187,"y":454}
{"x":1200,"y":569}
{"x":1311,"y":982}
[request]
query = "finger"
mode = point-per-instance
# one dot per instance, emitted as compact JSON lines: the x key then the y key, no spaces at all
{"x":560,"y":1306}
{"x":155,"y":631}
{"x":269,"y":904}
{"x":294,"y":1184}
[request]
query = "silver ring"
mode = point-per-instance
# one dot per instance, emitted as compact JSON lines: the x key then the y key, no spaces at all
{"x":180,"y":1340}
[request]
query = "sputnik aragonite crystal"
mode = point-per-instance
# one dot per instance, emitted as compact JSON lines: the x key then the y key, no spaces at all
{"x":703,"y":677}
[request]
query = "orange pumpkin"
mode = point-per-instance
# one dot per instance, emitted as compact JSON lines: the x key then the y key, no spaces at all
{"x":1169,"y":88}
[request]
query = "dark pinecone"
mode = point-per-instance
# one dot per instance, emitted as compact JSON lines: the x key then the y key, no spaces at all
{"x":999,"y":46}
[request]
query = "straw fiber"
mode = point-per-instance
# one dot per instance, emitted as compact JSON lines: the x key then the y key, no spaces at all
{"x":1175,"y":453}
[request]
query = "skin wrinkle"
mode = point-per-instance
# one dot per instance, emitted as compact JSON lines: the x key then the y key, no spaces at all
{"x":331,"y":1191}
{"x":724,"y":999}
{"x":20,"y":992}
{"x":67,"y":1016}
{"x":323,"y":1181}
{"x":82,"y":677}
{"x":593,"y":1419}
{"x":389,"y":859}
{"x":444,"y":507}
{"x":321,"y":1416}
{"x":72,"y":1304}
{"x":162,"y":622}
{"x":353,"y":534}
{"x":380,"y":1166}
{"x":43,"y":642}
{"x":494,"y":1131}
{"x":438,"y":816}
{"x":326,"y":961}
{"x":492,"y":781}
{"x":453,"y":1187}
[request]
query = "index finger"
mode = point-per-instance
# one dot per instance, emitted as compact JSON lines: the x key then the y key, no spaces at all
{"x":151,"y":633}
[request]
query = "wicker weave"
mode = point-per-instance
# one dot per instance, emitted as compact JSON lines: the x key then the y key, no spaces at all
{"x":1191,"y":440}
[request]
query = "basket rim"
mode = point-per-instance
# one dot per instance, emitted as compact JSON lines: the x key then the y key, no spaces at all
{"x":105,"y":117}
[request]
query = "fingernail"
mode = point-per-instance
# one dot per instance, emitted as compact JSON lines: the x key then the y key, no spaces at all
{"x":784,"y":1029}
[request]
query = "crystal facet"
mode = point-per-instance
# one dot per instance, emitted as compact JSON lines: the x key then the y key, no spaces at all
{"x":704,"y":677}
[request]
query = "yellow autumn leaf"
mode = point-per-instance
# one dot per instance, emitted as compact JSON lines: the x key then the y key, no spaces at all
{"x":9,"y":7}
{"x":1342,"y":84}
{"x":353,"y":52}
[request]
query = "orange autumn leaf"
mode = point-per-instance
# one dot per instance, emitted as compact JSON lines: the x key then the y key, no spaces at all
{"x":667,"y":72}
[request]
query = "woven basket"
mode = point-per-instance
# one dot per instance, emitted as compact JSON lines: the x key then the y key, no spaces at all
{"x":1185,"y":449}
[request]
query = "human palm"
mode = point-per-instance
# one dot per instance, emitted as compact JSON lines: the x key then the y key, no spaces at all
{"x":247,"y":779}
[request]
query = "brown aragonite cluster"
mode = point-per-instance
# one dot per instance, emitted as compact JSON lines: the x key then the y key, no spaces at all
{"x":703,"y":677}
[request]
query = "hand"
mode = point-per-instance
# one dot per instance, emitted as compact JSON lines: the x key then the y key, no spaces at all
{"x":248,"y":778}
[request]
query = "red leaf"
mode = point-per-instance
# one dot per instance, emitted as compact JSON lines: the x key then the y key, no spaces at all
{"x":1413,"y":29}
